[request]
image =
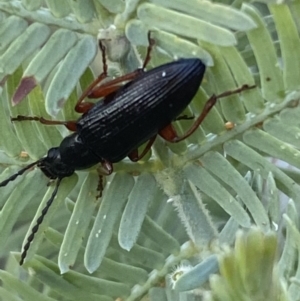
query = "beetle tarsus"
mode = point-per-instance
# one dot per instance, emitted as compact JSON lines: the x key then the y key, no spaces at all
{"x":70,"y":125}
{"x":100,"y":186}
{"x":238,"y":90}
{"x":151,"y":43}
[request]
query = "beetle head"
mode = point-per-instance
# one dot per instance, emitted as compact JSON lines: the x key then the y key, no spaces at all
{"x":53,"y":166}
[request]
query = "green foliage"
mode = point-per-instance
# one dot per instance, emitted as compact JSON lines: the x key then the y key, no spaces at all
{"x":249,"y":271}
{"x":165,"y":226}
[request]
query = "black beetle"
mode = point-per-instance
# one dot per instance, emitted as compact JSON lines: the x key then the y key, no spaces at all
{"x":127,"y":116}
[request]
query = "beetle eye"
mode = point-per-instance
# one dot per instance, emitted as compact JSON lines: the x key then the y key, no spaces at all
{"x":53,"y":153}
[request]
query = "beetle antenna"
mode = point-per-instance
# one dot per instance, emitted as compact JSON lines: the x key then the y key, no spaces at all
{"x":38,"y":222}
{"x":19,"y":173}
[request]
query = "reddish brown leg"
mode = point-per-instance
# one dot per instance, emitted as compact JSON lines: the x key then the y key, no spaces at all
{"x":151,"y":43}
{"x":70,"y":125}
{"x":82,"y":107}
{"x":134,"y":155}
{"x":169,"y":132}
{"x":113,"y":85}
{"x":95,"y":91}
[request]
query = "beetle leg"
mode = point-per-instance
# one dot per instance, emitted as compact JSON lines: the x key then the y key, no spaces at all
{"x":95,"y":91}
{"x":184,"y":117}
{"x":100,"y":186}
{"x":70,"y":125}
{"x":169,"y":132}
{"x":151,"y":43}
{"x":113,"y":85}
{"x":82,"y":107}
{"x":106,"y":168}
{"x":134,"y":155}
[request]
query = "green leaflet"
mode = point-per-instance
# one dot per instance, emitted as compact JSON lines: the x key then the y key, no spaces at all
{"x":220,"y":179}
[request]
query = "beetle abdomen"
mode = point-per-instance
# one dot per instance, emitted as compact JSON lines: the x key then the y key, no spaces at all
{"x":140,"y":109}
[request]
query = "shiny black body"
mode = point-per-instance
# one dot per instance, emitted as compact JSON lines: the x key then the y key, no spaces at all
{"x":133,"y":114}
{"x":118,"y":124}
